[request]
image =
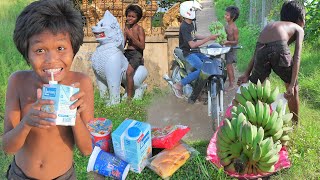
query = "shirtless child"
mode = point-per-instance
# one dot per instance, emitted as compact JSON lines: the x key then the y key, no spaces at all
{"x":48,"y":33}
{"x":135,"y":37}
{"x":272,"y":52}
{"x":231,"y":15}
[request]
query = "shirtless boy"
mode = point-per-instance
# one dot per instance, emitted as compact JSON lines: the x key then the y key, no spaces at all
{"x":135,"y":37}
{"x":272,"y":52}
{"x":231,"y":15}
{"x":48,"y":33}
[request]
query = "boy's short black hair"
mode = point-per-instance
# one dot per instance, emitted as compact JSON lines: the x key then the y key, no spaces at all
{"x":292,"y":11}
{"x":135,"y":8}
{"x":234,"y":12}
{"x":57,"y":16}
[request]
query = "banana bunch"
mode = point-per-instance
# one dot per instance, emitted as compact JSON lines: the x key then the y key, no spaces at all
{"x":253,"y":93}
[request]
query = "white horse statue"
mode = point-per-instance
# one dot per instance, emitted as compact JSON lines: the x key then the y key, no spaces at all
{"x":109,"y":63}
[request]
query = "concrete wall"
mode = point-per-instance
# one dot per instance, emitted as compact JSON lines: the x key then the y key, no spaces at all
{"x":157,"y":57}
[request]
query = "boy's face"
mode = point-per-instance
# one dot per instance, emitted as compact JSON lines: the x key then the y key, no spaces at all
{"x":132,"y":18}
{"x":227,"y":16}
{"x":50,"y":52}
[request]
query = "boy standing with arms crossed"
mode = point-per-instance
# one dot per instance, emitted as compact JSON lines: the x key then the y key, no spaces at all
{"x":48,"y":33}
{"x":135,"y":37}
{"x":272,"y":52}
{"x":231,"y":15}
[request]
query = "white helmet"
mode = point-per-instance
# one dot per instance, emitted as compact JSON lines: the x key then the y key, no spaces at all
{"x":188,"y":9}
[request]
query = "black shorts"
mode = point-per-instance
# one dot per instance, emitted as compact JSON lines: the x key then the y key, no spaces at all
{"x":15,"y":173}
{"x":274,"y":55}
{"x":134,"y":58}
{"x":231,"y":56}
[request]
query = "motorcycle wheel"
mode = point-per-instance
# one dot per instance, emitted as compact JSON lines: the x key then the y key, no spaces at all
{"x":175,"y":76}
{"x":215,"y":108}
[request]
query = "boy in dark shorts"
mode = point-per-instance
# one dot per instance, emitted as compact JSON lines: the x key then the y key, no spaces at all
{"x":48,"y":33}
{"x":272,"y":52}
{"x":135,"y":37}
{"x":231,"y":15}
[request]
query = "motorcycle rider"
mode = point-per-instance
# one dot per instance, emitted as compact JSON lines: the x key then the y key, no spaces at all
{"x":187,"y":40}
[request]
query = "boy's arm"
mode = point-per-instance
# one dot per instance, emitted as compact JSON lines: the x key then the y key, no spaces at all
{"x":80,"y":132}
{"x":195,"y":44}
{"x":245,"y":77}
{"x":296,"y":59}
{"x":124,"y":38}
{"x":16,"y":130}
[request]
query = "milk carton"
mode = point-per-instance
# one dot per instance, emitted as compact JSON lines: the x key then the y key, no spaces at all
{"x":132,"y":143}
{"x":60,"y":94}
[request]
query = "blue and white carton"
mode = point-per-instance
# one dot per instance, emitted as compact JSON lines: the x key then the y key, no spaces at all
{"x":60,"y":94}
{"x":132,"y":143}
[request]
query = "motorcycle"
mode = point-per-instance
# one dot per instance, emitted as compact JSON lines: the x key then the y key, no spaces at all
{"x":212,"y":77}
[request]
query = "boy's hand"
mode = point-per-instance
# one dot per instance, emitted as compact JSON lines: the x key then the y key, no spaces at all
{"x":242,"y":79}
{"x":79,"y":103}
{"x":290,"y":92}
{"x":214,"y":36}
{"x":128,"y":32}
{"x":37,"y":118}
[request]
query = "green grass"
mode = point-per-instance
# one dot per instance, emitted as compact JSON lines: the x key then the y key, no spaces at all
{"x":304,"y":149}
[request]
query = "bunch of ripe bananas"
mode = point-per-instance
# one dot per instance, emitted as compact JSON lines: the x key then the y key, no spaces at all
{"x":249,"y":142}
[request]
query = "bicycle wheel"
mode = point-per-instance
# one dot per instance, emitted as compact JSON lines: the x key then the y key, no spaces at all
{"x":216,"y":103}
{"x":175,"y":76}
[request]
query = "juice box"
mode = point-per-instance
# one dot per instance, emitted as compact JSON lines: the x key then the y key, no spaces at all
{"x":132,"y":143}
{"x":60,"y":94}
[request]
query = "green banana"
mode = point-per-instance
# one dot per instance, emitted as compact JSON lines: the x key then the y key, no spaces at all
{"x":231,"y":134}
{"x":245,"y":93}
{"x":277,"y":135}
{"x":266,"y":114}
{"x":242,"y":109}
{"x":266,"y":145}
{"x":272,"y":120}
{"x":285,"y":138}
{"x":251,"y":112}
{"x":265,"y":169}
{"x":243,"y":132}
{"x":266,"y":90}
{"x":268,"y":155}
{"x":274,"y":159}
{"x":234,"y":109}
{"x":241,"y":118}
{"x":279,"y":107}
{"x":226,"y":161}
{"x":236,"y":149}
{"x":273,"y":95}
{"x":227,"y":133}
{"x":223,"y":137}
{"x":259,"y":113}
{"x":257,"y":153}
{"x":223,"y":155}
{"x":240,"y":99}
{"x":287,"y":130}
{"x":277,"y":146}
{"x":276,"y":127}
{"x":223,"y":146}
{"x":249,"y":134}
{"x":287,"y":118}
{"x":234,"y":125}
{"x":253,"y":91}
{"x":259,"y":90}
{"x":259,"y":136}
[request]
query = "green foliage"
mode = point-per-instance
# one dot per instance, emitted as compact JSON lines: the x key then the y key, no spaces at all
{"x":217,"y":27}
{"x":312,"y":22}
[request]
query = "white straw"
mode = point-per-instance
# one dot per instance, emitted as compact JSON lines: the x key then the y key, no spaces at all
{"x":52,"y":77}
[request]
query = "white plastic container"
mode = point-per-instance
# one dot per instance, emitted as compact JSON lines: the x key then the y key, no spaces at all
{"x":132,"y":143}
{"x":60,"y":94}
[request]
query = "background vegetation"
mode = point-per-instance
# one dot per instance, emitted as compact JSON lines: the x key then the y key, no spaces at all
{"x":304,"y":149}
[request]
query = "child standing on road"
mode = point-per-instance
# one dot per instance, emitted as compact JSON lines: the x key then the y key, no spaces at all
{"x":272,"y":52}
{"x":48,"y":33}
{"x":231,"y":15}
{"x":135,"y":37}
